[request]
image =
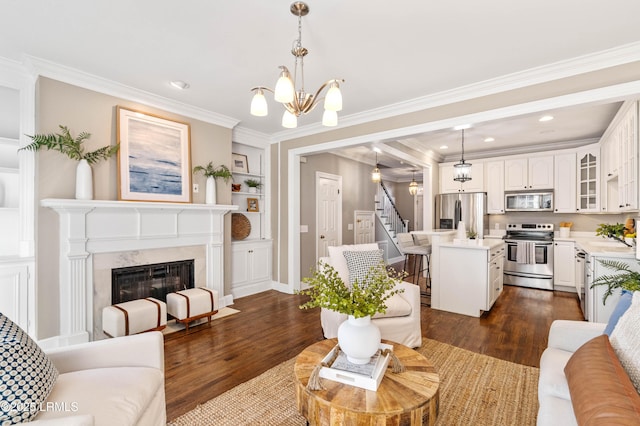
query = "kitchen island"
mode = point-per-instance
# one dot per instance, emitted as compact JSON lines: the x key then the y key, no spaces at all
{"x":466,"y":276}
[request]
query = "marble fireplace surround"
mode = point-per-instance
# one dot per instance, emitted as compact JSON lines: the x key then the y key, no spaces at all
{"x":89,"y":229}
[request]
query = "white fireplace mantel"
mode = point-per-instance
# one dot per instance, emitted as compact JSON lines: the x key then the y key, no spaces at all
{"x":88,"y":227}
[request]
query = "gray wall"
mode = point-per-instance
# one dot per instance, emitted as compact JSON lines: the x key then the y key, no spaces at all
{"x":357,"y":194}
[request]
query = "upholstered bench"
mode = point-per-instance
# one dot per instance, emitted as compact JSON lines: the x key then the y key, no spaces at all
{"x":192,"y":304}
{"x":133,"y":317}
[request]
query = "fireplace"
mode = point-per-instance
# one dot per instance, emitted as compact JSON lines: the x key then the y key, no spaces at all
{"x":156,"y":280}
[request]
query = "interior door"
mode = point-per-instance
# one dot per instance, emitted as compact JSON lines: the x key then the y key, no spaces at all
{"x":364,"y":230}
{"x":328,"y":212}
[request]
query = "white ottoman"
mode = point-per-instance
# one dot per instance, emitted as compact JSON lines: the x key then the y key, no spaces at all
{"x":192,"y":304}
{"x":135,"y":316}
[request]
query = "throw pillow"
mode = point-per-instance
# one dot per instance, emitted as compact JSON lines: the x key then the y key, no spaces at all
{"x":27,"y":375}
{"x":625,"y":340}
{"x":623,"y":304}
{"x":601,"y":392}
{"x":338,"y":261}
{"x":360,"y":263}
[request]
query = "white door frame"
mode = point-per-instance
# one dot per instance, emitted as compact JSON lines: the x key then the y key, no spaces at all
{"x":338,"y":178}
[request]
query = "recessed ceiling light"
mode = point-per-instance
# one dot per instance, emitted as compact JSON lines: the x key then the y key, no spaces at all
{"x":489,"y":139}
{"x":444,"y":147}
{"x":546,"y":118}
{"x":179,"y":84}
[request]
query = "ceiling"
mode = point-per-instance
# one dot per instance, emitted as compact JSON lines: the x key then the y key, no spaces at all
{"x":388,"y":53}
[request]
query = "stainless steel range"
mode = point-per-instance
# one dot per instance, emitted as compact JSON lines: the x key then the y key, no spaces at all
{"x":529,"y":255}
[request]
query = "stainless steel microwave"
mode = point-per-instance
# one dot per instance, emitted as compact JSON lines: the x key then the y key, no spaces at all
{"x":528,"y":201}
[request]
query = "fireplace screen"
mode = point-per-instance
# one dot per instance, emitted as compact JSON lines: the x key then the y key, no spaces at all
{"x":138,"y":282}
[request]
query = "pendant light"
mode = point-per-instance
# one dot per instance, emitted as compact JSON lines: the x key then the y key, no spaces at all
{"x":376,"y":176}
{"x":462,"y":170}
{"x":413,"y":186}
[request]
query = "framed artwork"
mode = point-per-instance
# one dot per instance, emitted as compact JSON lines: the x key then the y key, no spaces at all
{"x":239,"y":163}
{"x":252,"y":205}
{"x":154,"y":160}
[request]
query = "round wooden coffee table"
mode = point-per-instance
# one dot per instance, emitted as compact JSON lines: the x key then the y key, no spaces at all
{"x":409,"y":398}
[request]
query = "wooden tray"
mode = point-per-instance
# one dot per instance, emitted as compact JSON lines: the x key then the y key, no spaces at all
{"x":240,"y":226}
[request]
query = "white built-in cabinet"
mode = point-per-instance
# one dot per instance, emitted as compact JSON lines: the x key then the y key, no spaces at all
{"x":251,"y":255}
{"x":564,"y":272}
{"x":588,"y":179}
{"x":564,"y":176}
{"x":528,"y":173}
{"x":448,"y":185}
{"x":620,"y":161}
{"x":494,"y":184}
{"x":9,"y":201}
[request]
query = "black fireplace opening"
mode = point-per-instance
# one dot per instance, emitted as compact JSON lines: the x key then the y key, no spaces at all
{"x":157,"y":280}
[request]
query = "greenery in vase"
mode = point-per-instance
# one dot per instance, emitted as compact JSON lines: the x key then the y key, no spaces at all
{"x":210,"y":170}
{"x":253,"y":183}
{"x":71,"y":147}
{"x":327,"y":290}
{"x":625,"y":279}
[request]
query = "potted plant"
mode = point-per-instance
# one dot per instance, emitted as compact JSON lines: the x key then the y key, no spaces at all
{"x":623,"y":279}
{"x":357,"y":337}
{"x":212,"y":173}
{"x":253,"y":185}
{"x":615,"y":232}
{"x":72,"y":147}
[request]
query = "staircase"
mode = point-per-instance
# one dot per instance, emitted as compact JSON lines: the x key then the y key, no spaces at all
{"x":389,"y":216}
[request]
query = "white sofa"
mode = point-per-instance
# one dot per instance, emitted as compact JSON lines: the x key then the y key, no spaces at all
{"x":117,"y":381}
{"x":401,"y":323}
{"x":565,"y":337}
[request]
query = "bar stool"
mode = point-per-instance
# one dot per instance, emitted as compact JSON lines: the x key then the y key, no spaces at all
{"x":424,"y":242}
{"x":407,"y":248}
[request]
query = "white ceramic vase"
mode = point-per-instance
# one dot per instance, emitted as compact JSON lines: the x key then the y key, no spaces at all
{"x":84,"y":181}
{"x":210,"y":194}
{"x":253,"y":189}
{"x":359,"y":339}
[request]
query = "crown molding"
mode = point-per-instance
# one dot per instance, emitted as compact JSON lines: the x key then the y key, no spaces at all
{"x":619,"y":55}
{"x":251,"y":137}
{"x":13,"y":74}
{"x":45,"y":68}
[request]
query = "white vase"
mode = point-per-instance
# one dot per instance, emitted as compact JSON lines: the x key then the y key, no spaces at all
{"x":253,"y":189}
{"x":210,"y":194}
{"x":84,"y":181}
{"x":359,"y":339}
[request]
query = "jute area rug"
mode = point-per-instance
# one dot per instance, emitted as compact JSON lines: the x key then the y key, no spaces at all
{"x":475,"y":389}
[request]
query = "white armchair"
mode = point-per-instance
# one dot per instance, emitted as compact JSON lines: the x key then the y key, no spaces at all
{"x":401,"y":322}
{"x":117,"y":381}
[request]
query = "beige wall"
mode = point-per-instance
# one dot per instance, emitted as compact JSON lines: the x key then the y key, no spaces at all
{"x":84,"y":110}
{"x":357,"y":194}
{"x":565,"y":86}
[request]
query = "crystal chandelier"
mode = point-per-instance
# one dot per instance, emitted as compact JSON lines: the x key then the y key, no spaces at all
{"x":297,"y":102}
{"x":462,"y":170}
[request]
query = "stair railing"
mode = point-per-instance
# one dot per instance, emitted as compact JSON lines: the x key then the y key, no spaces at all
{"x":389,"y":212}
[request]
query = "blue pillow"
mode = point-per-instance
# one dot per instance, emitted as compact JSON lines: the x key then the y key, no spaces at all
{"x":620,"y":309}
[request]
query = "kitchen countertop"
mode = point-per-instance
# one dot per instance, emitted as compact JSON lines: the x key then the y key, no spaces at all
{"x":478,"y":244}
{"x":598,"y":246}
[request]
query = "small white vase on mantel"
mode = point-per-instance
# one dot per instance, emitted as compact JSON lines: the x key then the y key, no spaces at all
{"x":359,"y":339}
{"x":210,"y":191}
{"x":84,"y":181}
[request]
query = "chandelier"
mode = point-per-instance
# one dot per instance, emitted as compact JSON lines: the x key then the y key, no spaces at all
{"x":298,"y":101}
{"x":462,"y":170}
{"x":376,"y":176}
{"x":413,"y":186}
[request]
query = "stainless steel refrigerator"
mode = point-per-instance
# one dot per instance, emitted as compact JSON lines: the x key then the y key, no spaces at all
{"x":468,"y":207}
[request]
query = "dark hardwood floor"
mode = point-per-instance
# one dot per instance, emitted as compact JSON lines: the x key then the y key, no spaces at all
{"x":271,"y":329}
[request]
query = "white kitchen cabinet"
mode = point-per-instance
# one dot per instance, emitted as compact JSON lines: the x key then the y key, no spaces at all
{"x":627,"y":136}
{"x":564,"y":273}
{"x":528,"y":173}
{"x":474,"y":288}
{"x":448,"y":185}
{"x":588,"y":179}
{"x":250,"y":267}
{"x":494,"y":185}
{"x":564,"y":199}
{"x":596,"y":309}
